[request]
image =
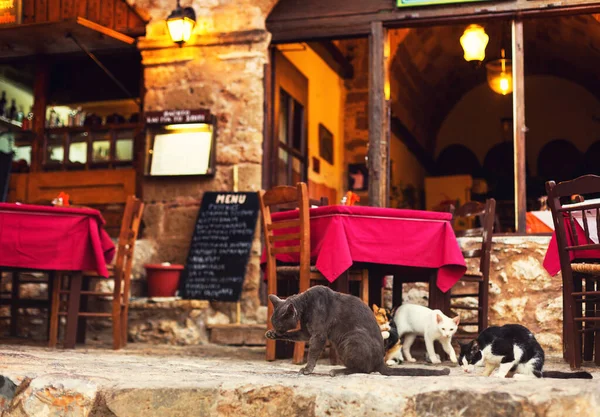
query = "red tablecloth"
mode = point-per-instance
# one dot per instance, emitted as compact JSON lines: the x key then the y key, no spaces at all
{"x":552,"y":260}
{"x":341,"y":235}
{"x":54,"y":238}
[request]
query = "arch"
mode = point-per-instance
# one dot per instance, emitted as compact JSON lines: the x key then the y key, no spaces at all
{"x":591,"y":159}
{"x":560,"y":160}
{"x":457,"y":159}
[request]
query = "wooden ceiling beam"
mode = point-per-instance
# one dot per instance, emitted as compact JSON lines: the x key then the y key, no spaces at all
{"x":333,"y":57}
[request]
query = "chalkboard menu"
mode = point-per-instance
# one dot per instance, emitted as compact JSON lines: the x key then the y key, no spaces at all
{"x":221,"y":244}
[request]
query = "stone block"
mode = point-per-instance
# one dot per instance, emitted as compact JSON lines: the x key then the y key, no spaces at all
{"x":181,"y":221}
{"x":153,"y":218}
{"x":245,"y":334}
{"x":54,"y":395}
{"x":249,"y":177}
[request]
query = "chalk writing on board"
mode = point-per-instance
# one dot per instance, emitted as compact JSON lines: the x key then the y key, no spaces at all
{"x":220,"y":247}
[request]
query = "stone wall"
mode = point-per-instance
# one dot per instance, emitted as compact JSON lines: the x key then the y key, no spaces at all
{"x":521,"y":291}
{"x":221,"y":69}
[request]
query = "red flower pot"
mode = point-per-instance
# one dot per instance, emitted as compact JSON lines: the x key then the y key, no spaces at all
{"x":163,"y":279}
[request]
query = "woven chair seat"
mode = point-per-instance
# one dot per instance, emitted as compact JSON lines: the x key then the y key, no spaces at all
{"x":585,"y":268}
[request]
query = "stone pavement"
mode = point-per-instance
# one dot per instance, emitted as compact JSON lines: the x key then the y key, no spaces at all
{"x":209,"y":380}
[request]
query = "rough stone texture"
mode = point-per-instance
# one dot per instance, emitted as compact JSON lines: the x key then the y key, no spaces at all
{"x":521,"y":291}
{"x":54,"y":395}
{"x":208,"y":381}
{"x":225,"y":76}
{"x":170,"y":321}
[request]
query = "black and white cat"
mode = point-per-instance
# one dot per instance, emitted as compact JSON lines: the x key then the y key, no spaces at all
{"x":512,"y":349}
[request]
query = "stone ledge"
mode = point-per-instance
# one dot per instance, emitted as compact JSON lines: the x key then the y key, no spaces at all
{"x":238,"y":334}
{"x":157,"y":303}
{"x":99,"y":383}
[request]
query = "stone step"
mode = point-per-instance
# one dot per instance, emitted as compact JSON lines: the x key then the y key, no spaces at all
{"x":238,"y":334}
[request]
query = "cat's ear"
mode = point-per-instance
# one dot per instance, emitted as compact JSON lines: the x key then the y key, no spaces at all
{"x":375,"y":308}
{"x":456,"y":320}
{"x":291,"y":310}
{"x":438,"y":318}
{"x":275,"y":300}
{"x":474,"y":346}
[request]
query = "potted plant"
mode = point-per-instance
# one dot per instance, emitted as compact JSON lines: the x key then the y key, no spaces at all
{"x":163,"y":279}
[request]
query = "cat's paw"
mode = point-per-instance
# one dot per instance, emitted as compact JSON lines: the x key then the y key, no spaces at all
{"x":499,"y":375}
{"x":411,"y":359}
{"x":271,"y":334}
{"x":436,"y":359}
{"x":453,"y":359}
{"x":385,"y":335}
{"x":390,"y":362}
{"x":306,"y":371}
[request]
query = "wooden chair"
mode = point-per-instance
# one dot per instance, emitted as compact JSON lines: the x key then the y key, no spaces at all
{"x":16,"y":302}
{"x":120,"y":273}
{"x":485,"y":213}
{"x":581,"y":290}
{"x":296,"y":242}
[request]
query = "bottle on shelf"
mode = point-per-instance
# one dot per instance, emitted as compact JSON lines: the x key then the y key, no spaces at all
{"x":20,"y":115}
{"x":12,"y":112}
{"x":2,"y":103}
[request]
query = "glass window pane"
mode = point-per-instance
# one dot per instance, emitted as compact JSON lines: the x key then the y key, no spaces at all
{"x":284,"y":102}
{"x":124,"y":146}
{"x":282,"y":167}
{"x":23,"y":153}
{"x":297,"y":170}
{"x":78,"y":148}
{"x":55,"y":151}
{"x":100,"y":150}
{"x":298,"y":126}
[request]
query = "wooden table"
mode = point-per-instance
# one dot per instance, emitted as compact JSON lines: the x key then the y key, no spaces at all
{"x":55,"y":239}
{"x":383,"y":239}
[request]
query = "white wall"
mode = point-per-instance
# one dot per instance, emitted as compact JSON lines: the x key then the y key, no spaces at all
{"x":555,"y":109}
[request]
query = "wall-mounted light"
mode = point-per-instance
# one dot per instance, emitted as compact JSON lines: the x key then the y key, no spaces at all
{"x":181,"y":23}
{"x":474,"y":41}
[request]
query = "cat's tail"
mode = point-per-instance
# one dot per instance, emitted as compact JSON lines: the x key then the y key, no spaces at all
{"x":567,"y":375}
{"x":386,"y":370}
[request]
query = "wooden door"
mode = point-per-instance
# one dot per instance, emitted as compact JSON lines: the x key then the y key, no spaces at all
{"x":288,"y":147}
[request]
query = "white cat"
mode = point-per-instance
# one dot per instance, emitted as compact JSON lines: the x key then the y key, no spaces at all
{"x":414,"y":320}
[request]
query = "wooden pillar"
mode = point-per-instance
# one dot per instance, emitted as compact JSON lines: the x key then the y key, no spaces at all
{"x":378,"y":119}
{"x":518,"y":69}
{"x":40,"y":100}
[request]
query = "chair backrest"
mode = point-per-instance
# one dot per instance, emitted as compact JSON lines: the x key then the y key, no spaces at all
{"x":288,"y":236}
{"x":130,"y":227}
{"x":571,"y":236}
{"x":485,"y":214}
{"x":323,"y":201}
{"x":5,"y":167}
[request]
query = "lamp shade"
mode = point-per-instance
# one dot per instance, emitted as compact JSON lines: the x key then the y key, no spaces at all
{"x":499,"y":76}
{"x":474,"y":41}
{"x":181,"y":23}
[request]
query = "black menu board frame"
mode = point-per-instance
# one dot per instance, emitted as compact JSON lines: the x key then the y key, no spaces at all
{"x":221,"y":244}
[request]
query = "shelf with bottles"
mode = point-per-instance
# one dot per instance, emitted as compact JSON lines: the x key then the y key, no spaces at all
{"x":90,"y":147}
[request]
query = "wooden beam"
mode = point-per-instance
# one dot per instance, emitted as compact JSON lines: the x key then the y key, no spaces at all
{"x":518,"y":68}
{"x":292,"y":20}
{"x":40,"y":101}
{"x":333,"y":57}
{"x":405,"y":136}
{"x":378,"y":143}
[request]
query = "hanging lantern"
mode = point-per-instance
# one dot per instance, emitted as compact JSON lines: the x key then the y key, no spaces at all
{"x":474,"y":41}
{"x":499,"y":75}
{"x":181,"y":23}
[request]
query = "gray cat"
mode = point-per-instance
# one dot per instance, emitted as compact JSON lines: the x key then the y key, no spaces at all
{"x":342,"y":319}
